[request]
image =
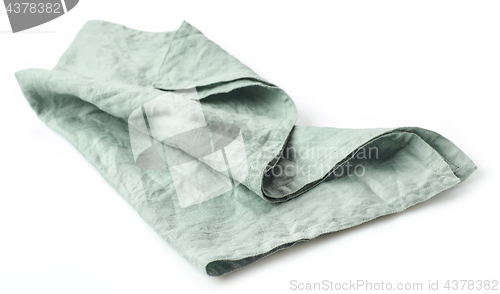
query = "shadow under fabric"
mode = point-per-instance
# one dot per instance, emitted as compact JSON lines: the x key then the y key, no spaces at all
{"x":296,"y":183}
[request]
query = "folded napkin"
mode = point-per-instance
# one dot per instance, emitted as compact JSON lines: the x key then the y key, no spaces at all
{"x":207,"y":153}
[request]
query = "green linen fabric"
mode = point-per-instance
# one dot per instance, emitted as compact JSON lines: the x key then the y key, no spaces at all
{"x":293,"y":182}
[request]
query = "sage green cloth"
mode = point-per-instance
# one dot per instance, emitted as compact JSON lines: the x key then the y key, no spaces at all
{"x":292,"y":188}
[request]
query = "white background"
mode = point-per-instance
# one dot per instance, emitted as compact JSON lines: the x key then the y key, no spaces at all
{"x":356,"y":64}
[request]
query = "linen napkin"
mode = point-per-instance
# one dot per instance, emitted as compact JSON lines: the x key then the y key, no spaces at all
{"x":207,"y":152}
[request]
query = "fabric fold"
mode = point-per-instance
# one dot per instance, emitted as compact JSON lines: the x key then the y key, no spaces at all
{"x":207,"y":151}
{"x":177,"y":72}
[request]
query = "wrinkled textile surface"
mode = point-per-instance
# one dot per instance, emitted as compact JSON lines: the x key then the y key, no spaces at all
{"x":110,"y":71}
